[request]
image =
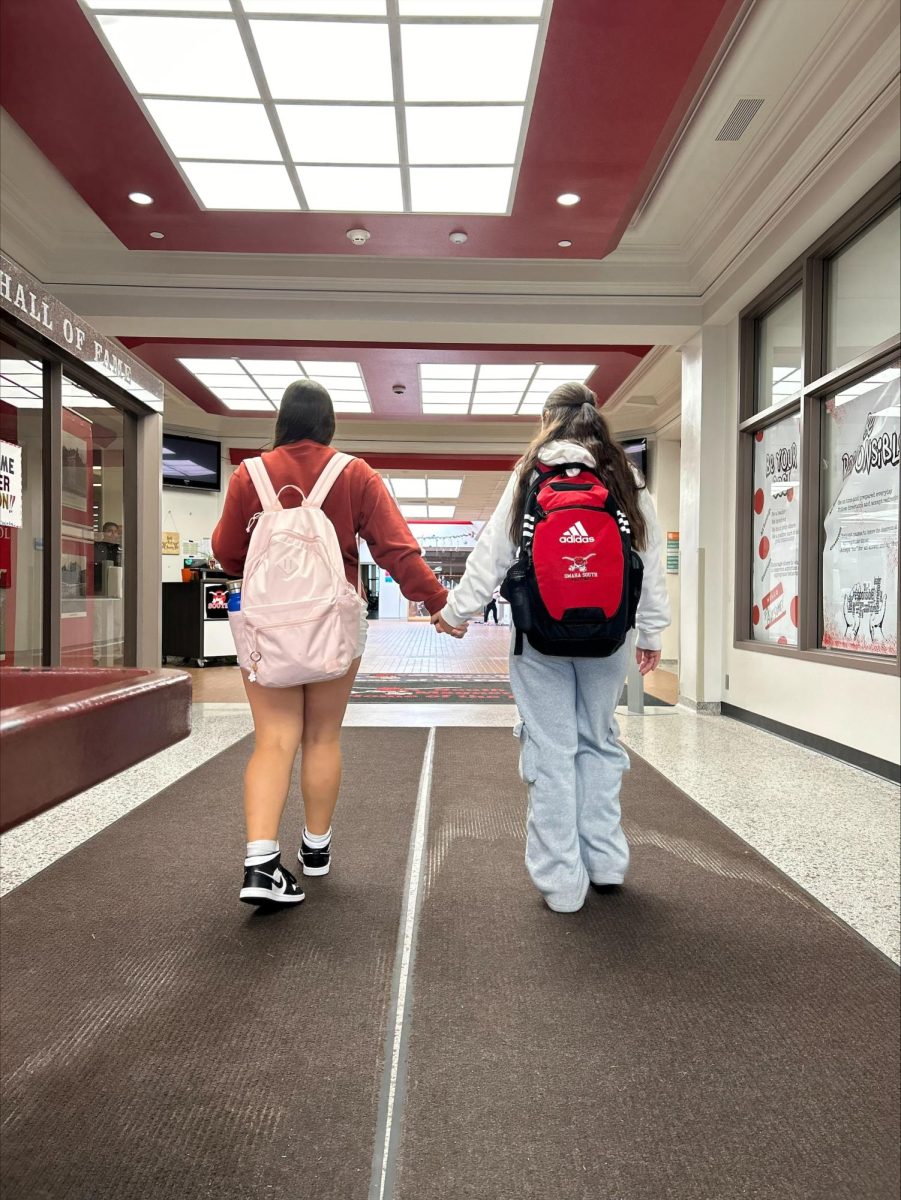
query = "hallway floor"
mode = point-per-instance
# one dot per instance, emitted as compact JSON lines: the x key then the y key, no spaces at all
{"x":422,"y":1025}
{"x":413,"y":648}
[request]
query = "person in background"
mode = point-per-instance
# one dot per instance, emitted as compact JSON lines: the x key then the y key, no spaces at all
{"x":570,"y":757}
{"x":310,"y":716}
{"x":491,"y":606}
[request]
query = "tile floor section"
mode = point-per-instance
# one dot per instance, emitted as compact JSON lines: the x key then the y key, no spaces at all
{"x":829,"y":826}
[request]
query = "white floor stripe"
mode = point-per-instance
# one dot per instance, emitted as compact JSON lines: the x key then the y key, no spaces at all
{"x":396,"y":1061}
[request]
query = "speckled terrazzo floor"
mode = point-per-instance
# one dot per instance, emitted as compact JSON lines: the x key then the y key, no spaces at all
{"x":829,"y":826}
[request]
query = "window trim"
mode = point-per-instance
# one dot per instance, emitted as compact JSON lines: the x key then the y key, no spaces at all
{"x":810,"y":273}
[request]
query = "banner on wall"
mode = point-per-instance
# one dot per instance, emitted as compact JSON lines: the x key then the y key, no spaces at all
{"x":10,"y":485}
{"x":860,"y":553}
{"x":777,"y":525}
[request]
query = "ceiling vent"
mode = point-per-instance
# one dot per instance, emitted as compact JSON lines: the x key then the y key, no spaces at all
{"x":739,"y":119}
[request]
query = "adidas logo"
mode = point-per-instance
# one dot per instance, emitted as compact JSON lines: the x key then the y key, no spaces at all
{"x":577,"y":533}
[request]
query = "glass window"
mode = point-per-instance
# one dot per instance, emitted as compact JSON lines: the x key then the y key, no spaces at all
{"x":860,"y":515}
{"x":776,"y":533}
{"x":92,"y":513}
{"x":779,"y":351}
{"x":21,"y":508}
{"x":864,"y":304}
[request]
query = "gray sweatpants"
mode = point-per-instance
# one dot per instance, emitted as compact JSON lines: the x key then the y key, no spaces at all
{"x":573,"y":765}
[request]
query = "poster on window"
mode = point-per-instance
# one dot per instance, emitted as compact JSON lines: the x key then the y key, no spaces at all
{"x":777,"y":511}
{"x":860,"y":550}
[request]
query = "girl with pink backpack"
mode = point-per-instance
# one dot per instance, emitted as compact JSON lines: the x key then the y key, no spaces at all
{"x":289,"y":526}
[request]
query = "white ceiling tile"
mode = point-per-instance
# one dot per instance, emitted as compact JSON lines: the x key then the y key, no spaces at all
{"x":325,"y":60}
{"x":161,"y":56}
{"x":242,"y":186}
{"x":460,"y":189}
{"x":352,"y":189}
{"x":211,"y":129}
{"x":467,"y":62}
{"x":340,"y":133}
{"x":463,"y":135}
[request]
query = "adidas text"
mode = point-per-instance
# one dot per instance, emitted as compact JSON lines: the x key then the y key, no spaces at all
{"x":577,"y":533}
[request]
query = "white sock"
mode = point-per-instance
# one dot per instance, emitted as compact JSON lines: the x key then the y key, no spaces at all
{"x":317,"y":841}
{"x":259,"y":851}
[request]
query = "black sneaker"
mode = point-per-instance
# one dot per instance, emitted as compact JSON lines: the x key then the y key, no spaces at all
{"x":315,"y":862}
{"x":269,"y":883}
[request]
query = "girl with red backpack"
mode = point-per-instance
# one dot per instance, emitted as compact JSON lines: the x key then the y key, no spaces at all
{"x":576,"y":542}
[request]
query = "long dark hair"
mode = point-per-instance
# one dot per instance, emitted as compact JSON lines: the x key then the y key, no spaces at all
{"x":571,"y":414}
{"x":306,"y":413}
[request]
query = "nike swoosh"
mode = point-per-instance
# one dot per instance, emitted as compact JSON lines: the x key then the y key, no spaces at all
{"x":281,"y":884}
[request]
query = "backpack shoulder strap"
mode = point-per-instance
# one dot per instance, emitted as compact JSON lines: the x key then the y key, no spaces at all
{"x":259,"y":477}
{"x":333,"y":469}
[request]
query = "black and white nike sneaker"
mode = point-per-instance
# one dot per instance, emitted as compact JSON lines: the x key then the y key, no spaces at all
{"x":315,"y":862}
{"x":268,"y":882}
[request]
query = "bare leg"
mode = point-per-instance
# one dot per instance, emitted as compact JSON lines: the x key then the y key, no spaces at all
{"x":320,"y":766}
{"x":278,"y":722}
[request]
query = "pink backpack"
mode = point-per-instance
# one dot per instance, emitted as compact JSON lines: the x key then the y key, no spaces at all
{"x":299,"y":619}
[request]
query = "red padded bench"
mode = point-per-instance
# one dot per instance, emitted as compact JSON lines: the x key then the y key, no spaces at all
{"x":64,"y":729}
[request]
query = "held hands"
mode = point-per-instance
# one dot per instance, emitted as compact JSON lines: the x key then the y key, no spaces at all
{"x":441,"y":626}
{"x":648,"y":660}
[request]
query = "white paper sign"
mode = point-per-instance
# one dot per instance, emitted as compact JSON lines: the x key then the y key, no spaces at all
{"x":777,"y":507}
{"x":860,"y":553}
{"x":10,"y":484}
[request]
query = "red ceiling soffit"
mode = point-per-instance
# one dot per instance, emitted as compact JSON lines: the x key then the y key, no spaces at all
{"x":617,"y":78}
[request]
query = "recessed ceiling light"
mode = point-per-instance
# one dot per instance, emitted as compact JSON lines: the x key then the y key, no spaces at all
{"x":157,"y":235}
{"x":140,"y":198}
{"x":568,"y":198}
{"x":564,"y":245}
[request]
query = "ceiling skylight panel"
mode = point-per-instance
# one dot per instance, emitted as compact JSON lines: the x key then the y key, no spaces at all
{"x":218,"y":381}
{"x":463,"y":135}
{"x":408,"y":489}
{"x":317,"y":8}
{"x":443,"y":410}
{"x":241,"y":185}
{"x":325,"y":60}
{"x":250,"y":405}
{"x":219,"y":366}
{"x":182,"y":56}
{"x":207,"y":129}
{"x":461,"y":189}
{"x":340,"y":133}
{"x":521,"y":371}
{"x":340,"y":384}
{"x":442,"y":510}
{"x":172,"y":6}
{"x":330,"y":368}
{"x":447,"y":370}
{"x":352,"y":189}
{"x":495,"y":410}
{"x":449,"y":389}
{"x":444,"y":489}
{"x":470,"y":8}
{"x":565,"y":371}
{"x":514,"y":386}
{"x":271,"y":366}
{"x":350,"y":401}
{"x":412,"y":511}
{"x":467,"y":62}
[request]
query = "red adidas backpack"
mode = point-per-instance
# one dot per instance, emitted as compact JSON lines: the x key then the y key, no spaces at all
{"x":575,"y":587}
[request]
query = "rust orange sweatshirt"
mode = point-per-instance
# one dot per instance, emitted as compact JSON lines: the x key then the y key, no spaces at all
{"x":359,"y":503}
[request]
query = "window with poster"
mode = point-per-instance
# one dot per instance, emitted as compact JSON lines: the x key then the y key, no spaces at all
{"x":818,"y":506}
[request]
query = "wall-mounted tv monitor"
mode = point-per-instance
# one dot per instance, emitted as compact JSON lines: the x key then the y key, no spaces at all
{"x":191,"y":463}
{"x":637,"y":451}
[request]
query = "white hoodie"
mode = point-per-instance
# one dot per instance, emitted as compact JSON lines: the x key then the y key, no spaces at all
{"x":495,"y":553}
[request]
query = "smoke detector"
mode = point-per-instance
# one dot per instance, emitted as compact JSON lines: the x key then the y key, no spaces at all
{"x":458,"y":237}
{"x":399,"y":389}
{"x":359,"y":237}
